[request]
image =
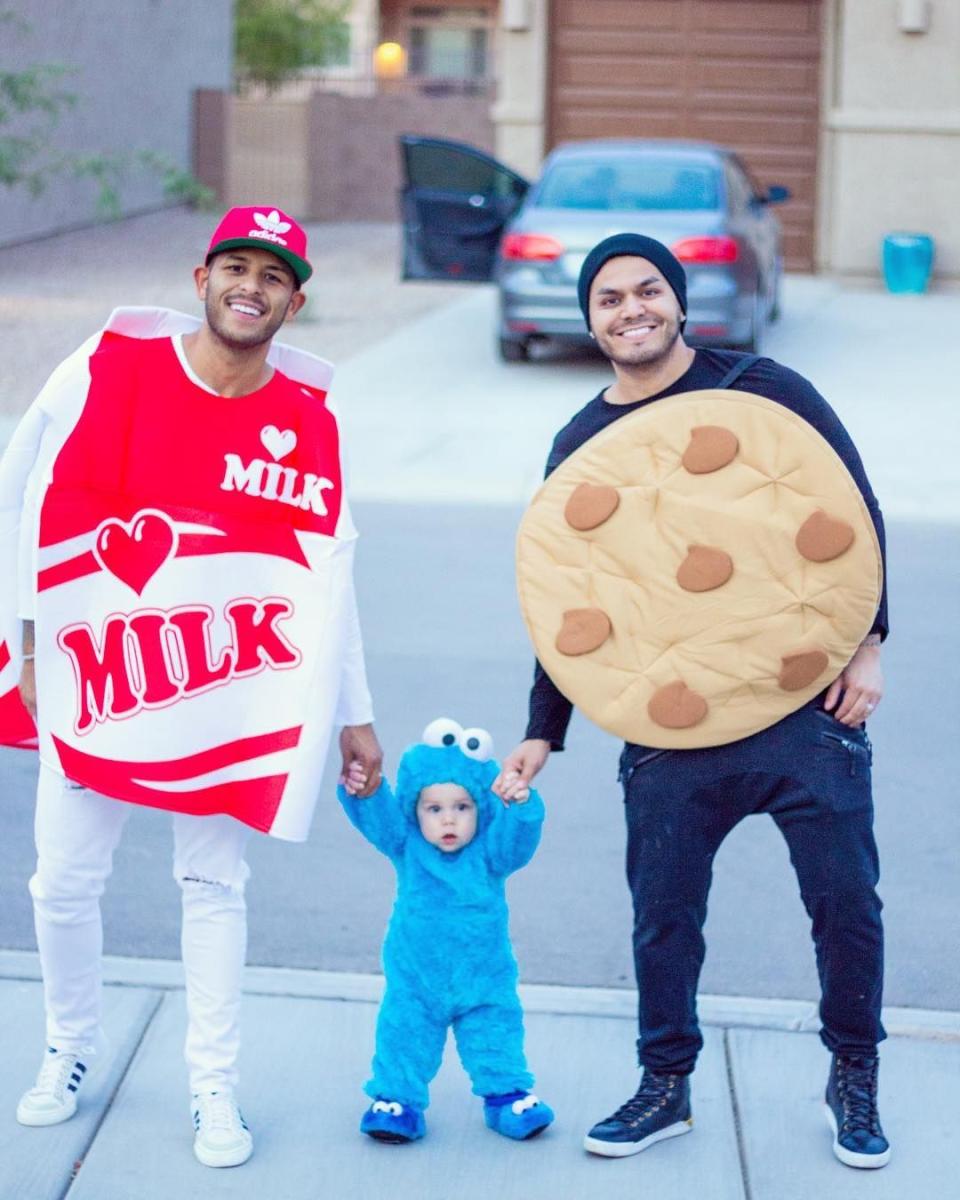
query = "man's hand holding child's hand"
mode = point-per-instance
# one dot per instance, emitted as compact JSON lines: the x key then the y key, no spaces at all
{"x":362,"y":760}
{"x":514,"y":792}
{"x":355,"y":780}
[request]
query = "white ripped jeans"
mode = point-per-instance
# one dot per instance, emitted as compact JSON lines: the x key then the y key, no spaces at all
{"x":77,"y":831}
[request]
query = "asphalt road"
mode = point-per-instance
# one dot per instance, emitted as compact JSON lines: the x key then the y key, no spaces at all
{"x":434,"y":582}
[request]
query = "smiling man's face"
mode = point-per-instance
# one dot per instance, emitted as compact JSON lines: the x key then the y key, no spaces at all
{"x":247,"y":295}
{"x":634,"y":313}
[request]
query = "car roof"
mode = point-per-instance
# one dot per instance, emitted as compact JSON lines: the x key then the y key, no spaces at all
{"x":675,"y":147}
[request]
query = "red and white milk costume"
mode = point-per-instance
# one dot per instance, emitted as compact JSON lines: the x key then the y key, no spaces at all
{"x":191,"y":581}
{"x":187,"y":561}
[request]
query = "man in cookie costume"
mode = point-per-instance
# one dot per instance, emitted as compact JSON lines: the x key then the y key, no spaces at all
{"x":184,"y":627}
{"x":702,"y":574}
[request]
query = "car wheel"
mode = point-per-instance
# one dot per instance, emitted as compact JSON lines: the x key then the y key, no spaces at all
{"x":513,"y":351}
{"x":755,"y":338}
{"x":776,"y":303}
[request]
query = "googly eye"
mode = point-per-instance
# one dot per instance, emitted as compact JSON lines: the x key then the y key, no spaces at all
{"x":443,"y":732}
{"x":476,"y":743}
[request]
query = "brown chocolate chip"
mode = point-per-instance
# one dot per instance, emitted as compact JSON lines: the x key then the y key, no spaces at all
{"x":583,"y":630}
{"x":704,"y":569}
{"x":591,"y":504}
{"x":799,"y":670}
{"x":711,"y":447}
{"x":822,"y":537}
{"x":675,"y":706}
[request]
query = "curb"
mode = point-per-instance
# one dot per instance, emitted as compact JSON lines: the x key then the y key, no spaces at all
{"x":795,"y":1016}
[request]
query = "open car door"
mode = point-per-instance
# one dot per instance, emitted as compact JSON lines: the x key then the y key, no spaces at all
{"x":455,"y":202}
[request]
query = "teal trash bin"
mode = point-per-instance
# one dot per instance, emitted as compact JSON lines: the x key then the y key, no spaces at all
{"x":907,"y":261}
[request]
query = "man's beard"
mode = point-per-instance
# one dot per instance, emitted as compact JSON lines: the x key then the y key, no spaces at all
{"x":643,"y":355}
{"x":256,"y":337}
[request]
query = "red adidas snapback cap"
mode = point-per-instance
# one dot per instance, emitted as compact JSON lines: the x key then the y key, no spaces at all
{"x":264,"y":228}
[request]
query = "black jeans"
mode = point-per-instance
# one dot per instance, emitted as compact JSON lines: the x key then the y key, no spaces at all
{"x":812,"y":775}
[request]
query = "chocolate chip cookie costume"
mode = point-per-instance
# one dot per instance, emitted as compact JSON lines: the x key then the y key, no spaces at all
{"x":714,"y":669}
{"x":698,"y":570}
{"x":447,"y":956}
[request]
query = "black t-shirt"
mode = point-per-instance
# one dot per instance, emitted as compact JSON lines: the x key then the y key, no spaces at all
{"x":550,"y":710}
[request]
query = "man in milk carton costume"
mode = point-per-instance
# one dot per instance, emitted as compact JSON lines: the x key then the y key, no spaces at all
{"x":182,"y":623}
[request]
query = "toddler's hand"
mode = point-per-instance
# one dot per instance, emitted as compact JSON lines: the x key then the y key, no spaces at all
{"x":355,"y":779}
{"x":514,"y":792}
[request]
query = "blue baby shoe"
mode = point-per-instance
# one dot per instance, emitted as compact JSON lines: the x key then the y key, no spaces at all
{"x":517,"y":1115}
{"x":390,"y":1121}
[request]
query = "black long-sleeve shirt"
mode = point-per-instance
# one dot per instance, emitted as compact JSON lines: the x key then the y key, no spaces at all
{"x":550,"y":710}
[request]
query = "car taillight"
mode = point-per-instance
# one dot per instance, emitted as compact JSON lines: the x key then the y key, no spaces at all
{"x":530,"y":247}
{"x":707,"y":250}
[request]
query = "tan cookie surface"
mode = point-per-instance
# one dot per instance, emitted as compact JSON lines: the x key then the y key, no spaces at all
{"x":698,"y":570}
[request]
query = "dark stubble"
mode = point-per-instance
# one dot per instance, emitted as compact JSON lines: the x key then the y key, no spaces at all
{"x":642,"y":355}
{"x":256,"y":337}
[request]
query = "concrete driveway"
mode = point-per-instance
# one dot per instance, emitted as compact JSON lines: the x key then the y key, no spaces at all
{"x":446,"y":444}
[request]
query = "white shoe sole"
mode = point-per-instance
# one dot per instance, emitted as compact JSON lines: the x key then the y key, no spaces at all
{"x":850,"y":1158}
{"x":38,"y":1118}
{"x":222,"y":1158}
{"x":625,"y":1149}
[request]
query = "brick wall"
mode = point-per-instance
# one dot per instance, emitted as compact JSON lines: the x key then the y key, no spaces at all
{"x":354,"y":158}
{"x":331,"y":157}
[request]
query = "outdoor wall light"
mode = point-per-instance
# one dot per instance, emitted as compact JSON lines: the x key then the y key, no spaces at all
{"x":913,"y":16}
{"x":515,"y":15}
{"x":389,"y":61}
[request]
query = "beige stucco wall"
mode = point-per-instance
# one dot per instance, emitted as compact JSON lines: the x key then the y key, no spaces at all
{"x":891,"y":134}
{"x":519,"y":112}
{"x":133,"y":68}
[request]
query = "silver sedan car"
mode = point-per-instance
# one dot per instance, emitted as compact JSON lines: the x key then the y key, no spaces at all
{"x":468,"y":217}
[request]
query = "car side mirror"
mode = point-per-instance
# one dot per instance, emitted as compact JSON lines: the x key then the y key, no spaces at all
{"x":776,"y":194}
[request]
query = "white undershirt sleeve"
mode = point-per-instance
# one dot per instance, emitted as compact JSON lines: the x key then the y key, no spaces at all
{"x":355,"y":704}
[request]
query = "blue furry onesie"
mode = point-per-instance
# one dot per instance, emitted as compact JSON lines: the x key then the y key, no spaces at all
{"x":447,"y":956}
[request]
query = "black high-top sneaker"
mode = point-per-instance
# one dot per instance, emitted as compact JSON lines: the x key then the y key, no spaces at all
{"x":851,"y":1110}
{"x":660,"y":1109}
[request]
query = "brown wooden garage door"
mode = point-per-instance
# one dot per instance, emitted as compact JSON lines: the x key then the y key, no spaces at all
{"x":741,"y":72}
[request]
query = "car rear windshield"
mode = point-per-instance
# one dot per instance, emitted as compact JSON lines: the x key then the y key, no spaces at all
{"x":625,"y":184}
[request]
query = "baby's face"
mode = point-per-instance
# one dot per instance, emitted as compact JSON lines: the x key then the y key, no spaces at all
{"x":447,"y":816}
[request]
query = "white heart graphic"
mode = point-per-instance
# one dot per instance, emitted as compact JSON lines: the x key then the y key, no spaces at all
{"x":278,"y":444}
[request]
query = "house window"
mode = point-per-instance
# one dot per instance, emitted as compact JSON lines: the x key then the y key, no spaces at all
{"x":448,"y":43}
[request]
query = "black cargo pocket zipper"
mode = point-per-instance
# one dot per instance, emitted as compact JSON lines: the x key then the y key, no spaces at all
{"x":627,"y":773}
{"x":853,"y":749}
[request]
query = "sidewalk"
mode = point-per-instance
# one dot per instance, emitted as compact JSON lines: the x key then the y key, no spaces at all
{"x":759,"y":1130}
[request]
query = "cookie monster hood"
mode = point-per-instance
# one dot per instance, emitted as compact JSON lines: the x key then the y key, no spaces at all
{"x":449,"y":754}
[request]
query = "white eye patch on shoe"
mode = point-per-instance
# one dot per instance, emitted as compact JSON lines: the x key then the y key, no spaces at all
{"x":528,"y":1102}
{"x":387,"y":1106}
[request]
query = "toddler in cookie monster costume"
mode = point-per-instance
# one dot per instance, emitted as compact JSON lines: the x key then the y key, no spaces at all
{"x":447,"y":956}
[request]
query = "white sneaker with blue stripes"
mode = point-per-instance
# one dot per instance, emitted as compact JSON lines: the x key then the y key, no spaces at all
{"x":53,"y":1098}
{"x":222,"y":1138}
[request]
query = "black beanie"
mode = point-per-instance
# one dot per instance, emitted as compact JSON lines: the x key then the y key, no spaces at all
{"x":639,"y":246}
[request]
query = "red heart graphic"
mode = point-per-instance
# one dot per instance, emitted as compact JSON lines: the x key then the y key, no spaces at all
{"x":135,"y":552}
